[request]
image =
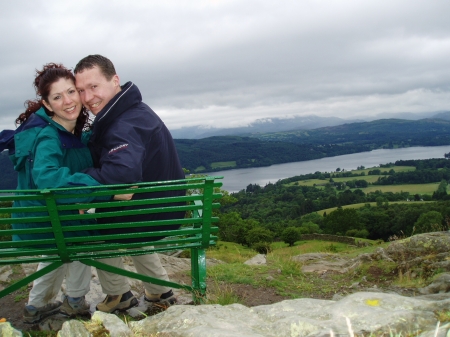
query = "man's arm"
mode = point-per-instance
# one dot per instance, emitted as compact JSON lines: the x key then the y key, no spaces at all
{"x":121,"y":161}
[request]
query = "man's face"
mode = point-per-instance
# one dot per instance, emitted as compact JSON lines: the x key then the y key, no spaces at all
{"x":95,"y":90}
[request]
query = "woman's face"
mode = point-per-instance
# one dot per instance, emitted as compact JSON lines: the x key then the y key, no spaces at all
{"x":64,"y":101}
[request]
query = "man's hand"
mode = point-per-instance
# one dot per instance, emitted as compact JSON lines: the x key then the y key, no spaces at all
{"x":124,"y":197}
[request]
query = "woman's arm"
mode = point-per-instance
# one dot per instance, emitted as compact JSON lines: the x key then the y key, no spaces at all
{"x":48,"y":170}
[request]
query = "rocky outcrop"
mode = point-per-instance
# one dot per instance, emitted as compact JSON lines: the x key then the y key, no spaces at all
{"x":362,"y":313}
{"x":423,"y":254}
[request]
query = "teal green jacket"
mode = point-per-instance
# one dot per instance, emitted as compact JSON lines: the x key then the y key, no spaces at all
{"x":48,"y":156}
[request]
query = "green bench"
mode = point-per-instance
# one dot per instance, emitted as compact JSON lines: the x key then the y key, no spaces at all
{"x":196,"y":233}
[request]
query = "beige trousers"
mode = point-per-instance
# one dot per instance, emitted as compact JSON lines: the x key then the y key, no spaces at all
{"x":45,"y":288}
{"x":149,"y":265}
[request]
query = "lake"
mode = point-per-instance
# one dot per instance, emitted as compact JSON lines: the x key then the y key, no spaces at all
{"x":236,"y":180}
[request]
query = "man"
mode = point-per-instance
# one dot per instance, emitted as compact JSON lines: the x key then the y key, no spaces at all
{"x":129,"y":144}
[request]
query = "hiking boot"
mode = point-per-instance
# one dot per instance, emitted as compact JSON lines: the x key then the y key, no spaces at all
{"x":122,"y":302}
{"x":31,"y":314}
{"x":167,"y":298}
{"x":73,"y":306}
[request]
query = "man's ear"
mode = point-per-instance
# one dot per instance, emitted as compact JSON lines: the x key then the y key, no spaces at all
{"x":49,"y":108}
{"x":116,"y":80}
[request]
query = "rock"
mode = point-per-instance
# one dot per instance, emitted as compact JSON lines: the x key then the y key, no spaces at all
{"x":440,"y":285}
{"x":367,"y":312}
{"x":337,"y":297}
{"x":259,"y":259}
{"x":53,"y":323}
{"x":6,"y":330}
{"x":5,"y":272}
{"x":113,"y":324}
{"x":323,"y":262}
{"x":380,"y":254}
{"x":73,"y":328}
{"x":419,"y":245}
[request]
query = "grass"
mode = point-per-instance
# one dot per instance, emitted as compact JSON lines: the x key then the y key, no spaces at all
{"x":395,"y":168}
{"x":411,"y":188}
{"x":223,"y":164}
{"x":281,"y":272}
{"x":200,"y":169}
{"x":285,"y":275}
{"x":372,"y":204}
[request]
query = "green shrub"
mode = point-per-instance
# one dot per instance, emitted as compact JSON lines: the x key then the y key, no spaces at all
{"x":357,"y":233}
{"x":262,"y":247}
{"x":259,"y":234}
{"x":291,"y":235}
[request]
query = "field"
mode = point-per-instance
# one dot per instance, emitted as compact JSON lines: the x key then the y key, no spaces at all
{"x":219,"y":165}
{"x":370,"y":179}
{"x":373,"y":204}
{"x":411,"y":188}
{"x":222,"y":164}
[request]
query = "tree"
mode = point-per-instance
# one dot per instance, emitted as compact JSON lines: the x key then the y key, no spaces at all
{"x":441,"y":191}
{"x":380,"y":201}
{"x":429,"y":222}
{"x":311,"y":227}
{"x":259,"y":234}
{"x":290,"y":235}
{"x":341,"y":220}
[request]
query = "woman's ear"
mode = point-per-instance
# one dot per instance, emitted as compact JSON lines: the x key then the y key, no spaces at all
{"x":49,"y":108}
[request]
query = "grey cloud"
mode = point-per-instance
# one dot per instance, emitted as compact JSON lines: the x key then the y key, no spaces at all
{"x":228,"y":62}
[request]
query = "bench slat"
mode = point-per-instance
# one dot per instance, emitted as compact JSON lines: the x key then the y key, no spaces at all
{"x":196,"y":232}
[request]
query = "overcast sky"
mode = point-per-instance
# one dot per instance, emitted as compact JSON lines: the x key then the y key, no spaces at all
{"x":227,"y":63}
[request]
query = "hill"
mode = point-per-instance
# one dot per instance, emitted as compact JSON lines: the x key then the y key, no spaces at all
{"x":262,"y":125}
{"x":275,"y":124}
{"x":389,"y":132}
{"x":265,"y":149}
{"x":228,"y":152}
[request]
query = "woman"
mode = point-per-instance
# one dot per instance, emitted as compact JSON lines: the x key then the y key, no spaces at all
{"x":50,"y":151}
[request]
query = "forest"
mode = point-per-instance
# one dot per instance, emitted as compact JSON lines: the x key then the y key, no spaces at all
{"x":288,"y":208}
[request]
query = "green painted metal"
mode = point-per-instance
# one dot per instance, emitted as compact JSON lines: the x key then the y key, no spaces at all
{"x":196,"y":233}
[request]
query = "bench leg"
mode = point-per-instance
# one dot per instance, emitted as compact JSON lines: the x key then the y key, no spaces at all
{"x":198,"y":274}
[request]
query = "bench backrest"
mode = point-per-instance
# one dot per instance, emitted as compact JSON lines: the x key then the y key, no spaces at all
{"x":55,"y":208}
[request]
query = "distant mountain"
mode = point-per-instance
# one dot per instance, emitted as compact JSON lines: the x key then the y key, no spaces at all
{"x":263,"y":125}
{"x":270,"y":125}
{"x":427,"y":131}
{"x":443,"y":115}
{"x":408,"y":115}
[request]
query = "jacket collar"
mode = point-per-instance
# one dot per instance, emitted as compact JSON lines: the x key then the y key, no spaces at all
{"x":128,"y":96}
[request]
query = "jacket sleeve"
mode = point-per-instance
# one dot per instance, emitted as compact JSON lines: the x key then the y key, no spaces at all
{"x":48,"y":172}
{"x":121,"y":161}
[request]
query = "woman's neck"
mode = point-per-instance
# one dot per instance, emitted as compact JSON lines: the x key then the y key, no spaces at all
{"x":68,"y":125}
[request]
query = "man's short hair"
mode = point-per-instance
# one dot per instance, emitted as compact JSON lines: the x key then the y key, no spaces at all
{"x":104,"y":64}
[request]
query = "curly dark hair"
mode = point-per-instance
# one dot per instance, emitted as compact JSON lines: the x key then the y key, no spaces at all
{"x":42,"y":83}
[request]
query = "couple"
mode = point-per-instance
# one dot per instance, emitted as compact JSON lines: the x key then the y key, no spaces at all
{"x":128,"y":143}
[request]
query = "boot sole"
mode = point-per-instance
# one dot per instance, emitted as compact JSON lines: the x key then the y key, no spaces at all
{"x":42,"y":317}
{"x":74,"y":314}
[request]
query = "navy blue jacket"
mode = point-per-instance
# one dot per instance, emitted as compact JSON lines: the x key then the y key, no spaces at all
{"x":129,"y":144}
